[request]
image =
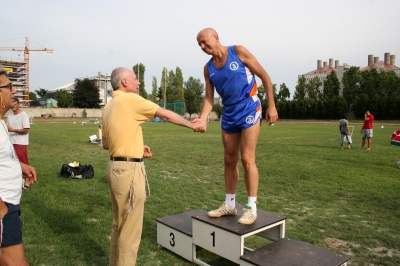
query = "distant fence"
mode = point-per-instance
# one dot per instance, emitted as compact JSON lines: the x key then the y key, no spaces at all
{"x":176,"y":107}
{"x":60,"y":112}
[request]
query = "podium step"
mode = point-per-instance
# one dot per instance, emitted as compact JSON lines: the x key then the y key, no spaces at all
{"x":225,"y":237}
{"x":175,"y":233}
{"x":230,"y":223}
{"x":289,"y":252}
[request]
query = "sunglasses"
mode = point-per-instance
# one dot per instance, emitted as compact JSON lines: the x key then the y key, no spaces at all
{"x":9,"y":85}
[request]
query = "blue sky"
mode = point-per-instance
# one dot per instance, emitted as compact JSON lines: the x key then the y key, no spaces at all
{"x":287,"y":37}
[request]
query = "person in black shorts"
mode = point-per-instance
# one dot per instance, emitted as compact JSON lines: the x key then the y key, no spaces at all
{"x":11,"y":171}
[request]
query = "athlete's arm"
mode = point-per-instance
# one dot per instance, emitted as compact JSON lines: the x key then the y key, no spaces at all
{"x":208,"y":102}
{"x":251,"y":62}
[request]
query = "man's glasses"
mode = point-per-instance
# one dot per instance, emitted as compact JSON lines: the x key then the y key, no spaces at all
{"x":9,"y":85}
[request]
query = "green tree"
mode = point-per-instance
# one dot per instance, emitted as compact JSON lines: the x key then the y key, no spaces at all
{"x":193,"y":91}
{"x":389,"y":90}
{"x":351,"y":85}
{"x":171,"y":89}
{"x":153,"y":95}
{"x":140,"y":70}
{"x":64,"y":99}
{"x":163,"y":86}
{"x":313,"y":88}
{"x":42,"y":93}
{"x":331,"y":86}
{"x":284,"y":93}
{"x":369,"y":82}
{"x":261,"y":92}
{"x":178,"y":83}
{"x":300,"y":92}
{"x":361,"y":105}
{"x":217,"y":108}
{"x":86,"y":94}
{"x":283,"y":108}
{"x":32,"y":96}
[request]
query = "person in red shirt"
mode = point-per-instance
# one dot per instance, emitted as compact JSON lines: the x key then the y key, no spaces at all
{"x":367,"y":130}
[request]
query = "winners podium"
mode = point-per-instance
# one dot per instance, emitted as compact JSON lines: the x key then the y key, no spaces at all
{"x":183,"y":233}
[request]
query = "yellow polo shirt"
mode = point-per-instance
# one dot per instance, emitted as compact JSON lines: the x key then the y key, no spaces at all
{"x":122,"y":120}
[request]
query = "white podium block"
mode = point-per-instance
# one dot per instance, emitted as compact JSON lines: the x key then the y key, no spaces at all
{"x":175,"y":233}
{"x":225,"y":237}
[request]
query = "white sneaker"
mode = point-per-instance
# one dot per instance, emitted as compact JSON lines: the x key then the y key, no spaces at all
{"x":248,"y":217}
{"x":223,"y":210}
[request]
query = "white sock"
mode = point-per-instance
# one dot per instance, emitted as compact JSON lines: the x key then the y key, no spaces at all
{"x":252,"y":202}
{"x":230,"y":201}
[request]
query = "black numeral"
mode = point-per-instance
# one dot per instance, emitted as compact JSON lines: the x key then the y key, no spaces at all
{"x":172,"y":242}
{"x":213,"y":235}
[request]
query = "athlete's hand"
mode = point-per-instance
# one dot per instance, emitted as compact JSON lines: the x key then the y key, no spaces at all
{"x":271,"y":116}
{"x":200,"y":125}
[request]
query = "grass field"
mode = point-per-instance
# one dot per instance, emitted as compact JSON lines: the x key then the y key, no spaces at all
{"x":346,"y":201}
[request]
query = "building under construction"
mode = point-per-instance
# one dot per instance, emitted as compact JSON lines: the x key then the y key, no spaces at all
{"x":18,"y":71}
{"x":17,"y":74}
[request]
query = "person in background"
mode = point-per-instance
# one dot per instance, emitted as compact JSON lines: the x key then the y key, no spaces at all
{"x":100,"y":136}
{"x":18,"y":125}
{"x":126,"y":176}
{"x":366,"y":130}
{"x":11,"y":169}
{"x":345,"y":131}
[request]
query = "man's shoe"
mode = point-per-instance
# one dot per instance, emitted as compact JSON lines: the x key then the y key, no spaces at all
{"x":222,"y":211}
{"x":248,"y":217}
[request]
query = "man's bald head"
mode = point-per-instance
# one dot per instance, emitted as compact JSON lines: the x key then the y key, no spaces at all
{"x":207,"y":32}
{"x":208,"y":41}
{"x":116,"y":76}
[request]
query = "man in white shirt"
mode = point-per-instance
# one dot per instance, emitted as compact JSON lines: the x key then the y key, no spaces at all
{"x":18,"y":126}
{"x":11,"y":169}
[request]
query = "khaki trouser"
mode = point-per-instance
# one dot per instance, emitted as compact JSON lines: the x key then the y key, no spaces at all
{"x":126,"y":230}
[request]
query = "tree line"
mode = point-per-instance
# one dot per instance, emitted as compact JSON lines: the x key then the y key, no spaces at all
{"x":378,"y":92}
{"x":172,"y":88}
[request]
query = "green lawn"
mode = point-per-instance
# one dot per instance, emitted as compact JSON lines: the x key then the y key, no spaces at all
{"x":346,"y":201}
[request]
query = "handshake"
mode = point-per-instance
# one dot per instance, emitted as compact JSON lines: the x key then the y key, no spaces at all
{"x":199,"y":125}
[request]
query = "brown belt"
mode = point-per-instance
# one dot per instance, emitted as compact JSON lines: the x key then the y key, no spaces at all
{"x":125,"y":159}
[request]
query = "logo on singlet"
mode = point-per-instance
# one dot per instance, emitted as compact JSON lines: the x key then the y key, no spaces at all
{"x":234,"y":66}
{"x":250,"y":119}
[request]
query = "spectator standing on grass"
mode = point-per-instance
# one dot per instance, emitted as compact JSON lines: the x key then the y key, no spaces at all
{"x":345,"y":131}
{"x":18,"y":125}
{"x":11,"y":169}
{"x":122,"y":136}
{"x":366,"y":130}
{"x":231,"y":71}
{"x":100,"y":136}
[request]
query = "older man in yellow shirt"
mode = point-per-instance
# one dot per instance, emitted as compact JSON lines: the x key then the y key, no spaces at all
{"x":122,"y":136}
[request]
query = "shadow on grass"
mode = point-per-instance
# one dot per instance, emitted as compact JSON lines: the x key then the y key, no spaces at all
{"x":74,"y":242}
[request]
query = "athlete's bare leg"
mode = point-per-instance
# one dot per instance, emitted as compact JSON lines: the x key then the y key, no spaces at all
{"x":248,"y":144}
{"x":231,"y":157}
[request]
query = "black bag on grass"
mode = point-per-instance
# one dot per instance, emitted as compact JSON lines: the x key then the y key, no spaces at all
{"x":81,"y":171}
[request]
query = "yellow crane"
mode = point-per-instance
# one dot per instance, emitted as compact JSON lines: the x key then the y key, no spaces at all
{"x":26,"y":51}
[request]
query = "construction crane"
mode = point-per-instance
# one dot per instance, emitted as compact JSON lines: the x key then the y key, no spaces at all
{"x":26,"y":50}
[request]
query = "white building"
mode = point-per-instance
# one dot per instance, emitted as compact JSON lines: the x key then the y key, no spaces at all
{"x":103,"y":82}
